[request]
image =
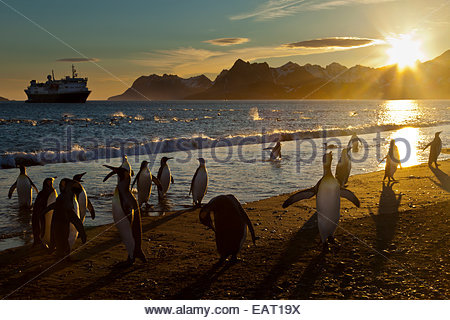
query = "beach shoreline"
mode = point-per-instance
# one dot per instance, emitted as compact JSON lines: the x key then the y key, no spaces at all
{"x":393,"y":247}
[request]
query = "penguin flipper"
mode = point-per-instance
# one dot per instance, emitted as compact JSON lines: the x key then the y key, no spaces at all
{"x":135,"y":179}
{"x":171,"y":179}
{"x":75,"y":220}
{"x":427,"y":146}
{"x":156,"y":181}
{"x":91,"y":209}
{"x":303,"y":194}
{"x":50,"y":207}
{"x":246,"y":219}
{"x":32,"y":184}
{"x":11,"y":190}
{"x":347,"y":194}
{"x":193,"y":179}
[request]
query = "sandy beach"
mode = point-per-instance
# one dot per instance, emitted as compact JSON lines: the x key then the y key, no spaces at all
{"x":395,"y":246}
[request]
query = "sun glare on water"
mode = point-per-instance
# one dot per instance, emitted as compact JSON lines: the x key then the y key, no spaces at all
{"x":404,"y":50}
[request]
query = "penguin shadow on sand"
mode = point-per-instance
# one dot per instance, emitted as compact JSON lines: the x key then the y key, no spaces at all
{"x":385,"y":222}
{"x":304,"y":240}
{"x":443,"y":178}
{"x":198,"y":289}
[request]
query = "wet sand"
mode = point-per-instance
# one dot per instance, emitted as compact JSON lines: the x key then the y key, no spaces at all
{"x":394,"y":247}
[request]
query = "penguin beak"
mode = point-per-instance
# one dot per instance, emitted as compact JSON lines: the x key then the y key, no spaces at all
{"x":109,"y":175}
{"x":169,"y":158}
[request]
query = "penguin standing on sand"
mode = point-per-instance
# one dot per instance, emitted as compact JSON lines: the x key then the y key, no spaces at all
{"x":66,"y":216}
{"x":435,"y":149}
{"x":83,"y":201}
{"x":24,"y":191}
{"x":392,"y":161}
{"x":275,"y":152}
{"x":41,"y":224}
{"x":354,"y":143}
{"x":199,"y":184}
{"x":230,"y":225}
{"x":126,"y":215}
{"x":328,"y":194}
{"x":144,"y":179}
{"x":344,"y":167}
{"x":164,"y":176}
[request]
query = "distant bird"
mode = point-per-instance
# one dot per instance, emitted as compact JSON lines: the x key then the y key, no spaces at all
{"x":275,"y":152}
{"x":66,"y":222}
{"x":144,"y":180}
{"x":41,"y":224}
{"x":126,"y":215}
{"x":354,"y":143}
{"x":435,"y":150}
{"x":230,"y":225}
{"x":328,"y":194}
{"x":164,"y":176}
{"x":24,"y":191}
{"x":392,"y":161}
{"x":83,"y":200}
{"x":199,"y":184}
{"x":125,"y":164}
{"x":344,"y":167}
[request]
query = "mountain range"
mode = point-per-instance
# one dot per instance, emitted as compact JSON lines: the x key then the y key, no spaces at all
{"x":3,"y":99}
{"x":245,"y":80}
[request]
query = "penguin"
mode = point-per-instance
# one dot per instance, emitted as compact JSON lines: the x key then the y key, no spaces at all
{"x":126,"y":215}
{"x":83,"y":200}
{"x":230,"y":225}
{"x":275,"y":152}
{"x":66,"y":217}
{"x":24,"y":187}
{"x":328,"y":194}
{"x":144,"y":179}
{"x":354,"y":143}
{"x":392,"y":161}
{"x":435,"y":149}
{"x":199,"y":183}
{"x":164,"y":176}
{"x":344,"y":167}
{"x":125,"y":164}
{"x":41,"y":224}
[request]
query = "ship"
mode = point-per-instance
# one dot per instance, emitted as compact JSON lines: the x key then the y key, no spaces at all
{"x":67,"y":90}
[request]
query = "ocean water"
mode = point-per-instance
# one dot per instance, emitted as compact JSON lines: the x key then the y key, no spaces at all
{"x":65,"y":139}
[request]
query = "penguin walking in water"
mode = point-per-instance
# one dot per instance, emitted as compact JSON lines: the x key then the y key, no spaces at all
{"x":144,"y":179}
{"x":24,"y":187}
{"x":126,"y":215}
{"x":392,"y":161}
{"x":435,"y":149}
{"x":199,"y":184}
{"x":354,"y":143}
{"x":164,"y":176}
{"x":275,"y":152}
{"x":66,"y":216}
{"x":344,"y":167}
{"x":83,"y":200}
{"x":328,"y":194}
{"x":230,"y":225}
{"x":41,"y":224}
{"x":125,"y":164}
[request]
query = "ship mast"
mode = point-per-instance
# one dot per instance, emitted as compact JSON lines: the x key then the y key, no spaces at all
{"x":74,"y":75}
{"x":53,"y":75}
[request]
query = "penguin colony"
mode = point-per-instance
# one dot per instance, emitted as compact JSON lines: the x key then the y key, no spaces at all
{"x":57,"y":220}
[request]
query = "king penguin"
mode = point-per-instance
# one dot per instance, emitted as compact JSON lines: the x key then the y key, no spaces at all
{"x":144,"y":179}
{"x":126,"y":215}
{"x":435,"y":149}
{"x":230,"y":224}
{"x":164,"y":176}
{"x":354,"y":143}
{"x":83,"y":200}
{"x":344,"y":167}
{"x":328,"y":194}
{"x":199,"y":184}
{"x":392,"y":161}
{"x":275,"y":152}
{"x":66,"y":218}
{"x":24,"y":191}
{"x":41,"y":224}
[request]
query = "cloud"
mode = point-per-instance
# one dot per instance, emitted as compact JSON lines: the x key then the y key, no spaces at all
{"x":78,"y":60}
{"x":336,"y":42}
{"x":223,"y":42}
{"x":281,"y":8}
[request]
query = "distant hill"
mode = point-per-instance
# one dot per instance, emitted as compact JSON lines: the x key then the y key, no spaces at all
{"x":3,"y":99}
{"x":166,"y":87}
{"x":244,"y":80}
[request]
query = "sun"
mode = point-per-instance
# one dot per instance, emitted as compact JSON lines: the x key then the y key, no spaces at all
{"x":404,"y":50}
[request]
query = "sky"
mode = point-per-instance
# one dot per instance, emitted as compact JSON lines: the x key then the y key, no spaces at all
{"x":114,"y":42}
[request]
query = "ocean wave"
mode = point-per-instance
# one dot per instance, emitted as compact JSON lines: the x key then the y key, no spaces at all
{"x":155,"y":146}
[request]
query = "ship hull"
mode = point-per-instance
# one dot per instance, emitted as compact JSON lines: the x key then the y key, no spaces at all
{"x":73,"y":97}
